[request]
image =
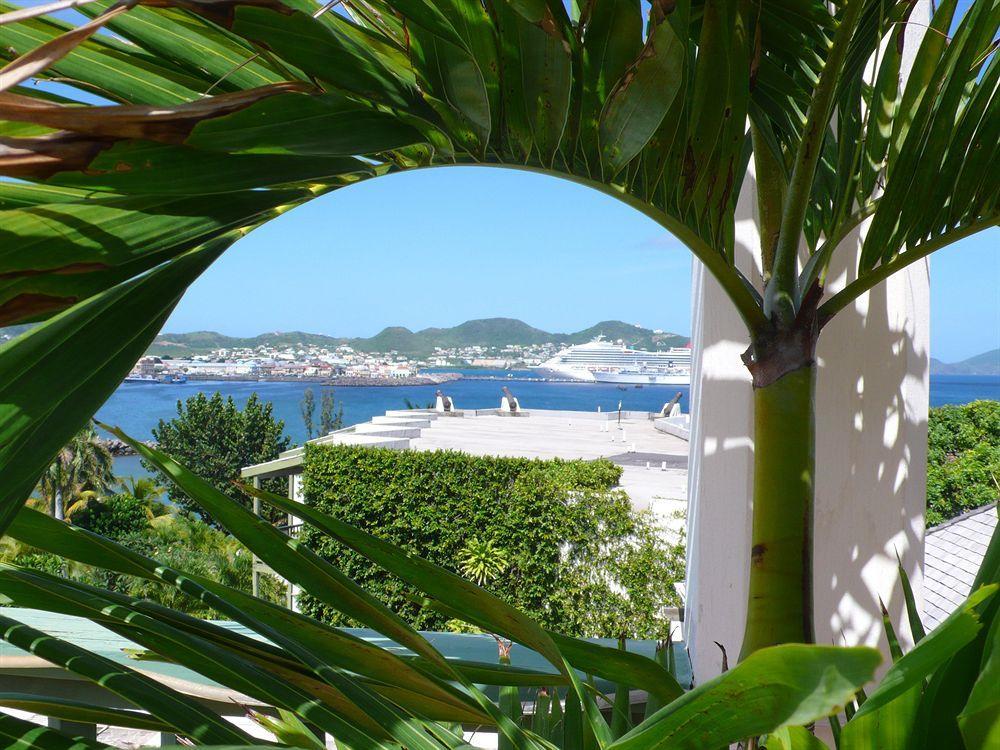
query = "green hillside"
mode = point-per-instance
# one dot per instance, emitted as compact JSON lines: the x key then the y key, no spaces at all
{"x":987,"y":363}
{"x":636,"y":336}
{"x":488,"y":332}
{"x":202,"y":342}
{"x":393,"y":338}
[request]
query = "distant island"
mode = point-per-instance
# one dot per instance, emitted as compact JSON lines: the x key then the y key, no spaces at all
{"x":987,"y":363}
{"x":489,"y":333}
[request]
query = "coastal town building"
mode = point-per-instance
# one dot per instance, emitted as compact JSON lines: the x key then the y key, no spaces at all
{"x":304,"y":361}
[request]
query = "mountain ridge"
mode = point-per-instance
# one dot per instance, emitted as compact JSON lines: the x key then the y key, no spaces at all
{"x":486,"y":332}
{"x":987,"y":363}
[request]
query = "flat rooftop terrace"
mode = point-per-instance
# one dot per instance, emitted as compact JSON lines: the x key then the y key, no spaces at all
{"x":654,"y":462}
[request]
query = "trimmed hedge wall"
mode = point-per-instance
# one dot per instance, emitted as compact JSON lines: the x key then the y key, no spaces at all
{"x":576,"y":556}
{"x":963,"y":459}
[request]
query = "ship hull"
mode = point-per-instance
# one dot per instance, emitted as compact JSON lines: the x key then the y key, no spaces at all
{"x":640,"y":378}
{"x":554,"y":373}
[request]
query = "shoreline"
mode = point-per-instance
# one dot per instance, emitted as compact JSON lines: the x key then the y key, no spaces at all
{"x":343,"y":381}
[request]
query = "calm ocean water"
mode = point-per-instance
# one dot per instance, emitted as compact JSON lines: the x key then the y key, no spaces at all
{"x":138,"y":408}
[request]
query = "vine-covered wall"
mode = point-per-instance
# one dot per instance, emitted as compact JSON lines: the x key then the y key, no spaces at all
{"x":565,"y":544}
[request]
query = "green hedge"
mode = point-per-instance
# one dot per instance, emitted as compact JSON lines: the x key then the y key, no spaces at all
{"x":963,"y":459}
{"x":575,"y":555}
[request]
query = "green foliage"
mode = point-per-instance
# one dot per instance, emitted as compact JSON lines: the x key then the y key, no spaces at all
{"x":44,"y":561}
{"x":331,"y":416}
{"x":963,"y":459}
{"x":553,"y":538}
{"x":184,"y":543}
{"x":115,"y":517}
{"x":307,"y":407}
{"x":482,"y":561}
{"x":218,"y":439}
{"x":147,"y":490}
{"x":178,"y":540}
{"x":81,"y":467}
{"x":364,"y":692}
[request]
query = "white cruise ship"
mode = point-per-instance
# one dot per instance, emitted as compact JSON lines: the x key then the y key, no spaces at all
{"x":603,"y":362}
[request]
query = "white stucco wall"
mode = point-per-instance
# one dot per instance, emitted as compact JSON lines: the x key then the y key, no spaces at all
{"x":872,"y":398}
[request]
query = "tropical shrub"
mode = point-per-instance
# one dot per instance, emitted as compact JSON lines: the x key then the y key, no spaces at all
{"x":217,"y":438}
{"x":575,"y":556}
{"x":185,"y":543}
{"x":963,"y":459}
{"x":115,"y":517}
{"x":331,"y":416}
{"x":179,"y":540}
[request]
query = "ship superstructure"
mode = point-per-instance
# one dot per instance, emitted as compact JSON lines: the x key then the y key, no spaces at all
{"x":606,"y":362}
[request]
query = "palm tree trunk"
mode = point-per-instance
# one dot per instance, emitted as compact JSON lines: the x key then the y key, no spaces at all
{"x":58,"y":512}
{"x":780,"y":597}
{"x":780,"y":607}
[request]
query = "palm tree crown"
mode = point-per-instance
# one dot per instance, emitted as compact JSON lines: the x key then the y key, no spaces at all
{"x":80,"y":469}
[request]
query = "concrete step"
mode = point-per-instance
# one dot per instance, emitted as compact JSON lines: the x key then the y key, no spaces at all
{"x":371,"y":441}
{"x":411,"y":422}
{"x":388,"y":430}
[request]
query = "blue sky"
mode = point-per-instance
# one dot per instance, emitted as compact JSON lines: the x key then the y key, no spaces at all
{"x":438,"y":247}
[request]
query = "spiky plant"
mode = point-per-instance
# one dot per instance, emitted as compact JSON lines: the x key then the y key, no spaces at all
{"x":199,"y":120}
{"x":482,"y":560}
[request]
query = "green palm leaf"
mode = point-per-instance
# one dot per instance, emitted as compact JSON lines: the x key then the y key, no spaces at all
{"x":16,"y":732}
{"x":48,"y":389}
{"x":762,"y":694}
{"x":184,"y":713}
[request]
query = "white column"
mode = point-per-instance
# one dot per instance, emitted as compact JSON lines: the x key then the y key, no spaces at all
{"x":871,"y":449}
{"x":720,"y":463}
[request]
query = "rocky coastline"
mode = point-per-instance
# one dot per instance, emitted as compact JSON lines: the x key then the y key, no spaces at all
{"x":118,"y":448}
